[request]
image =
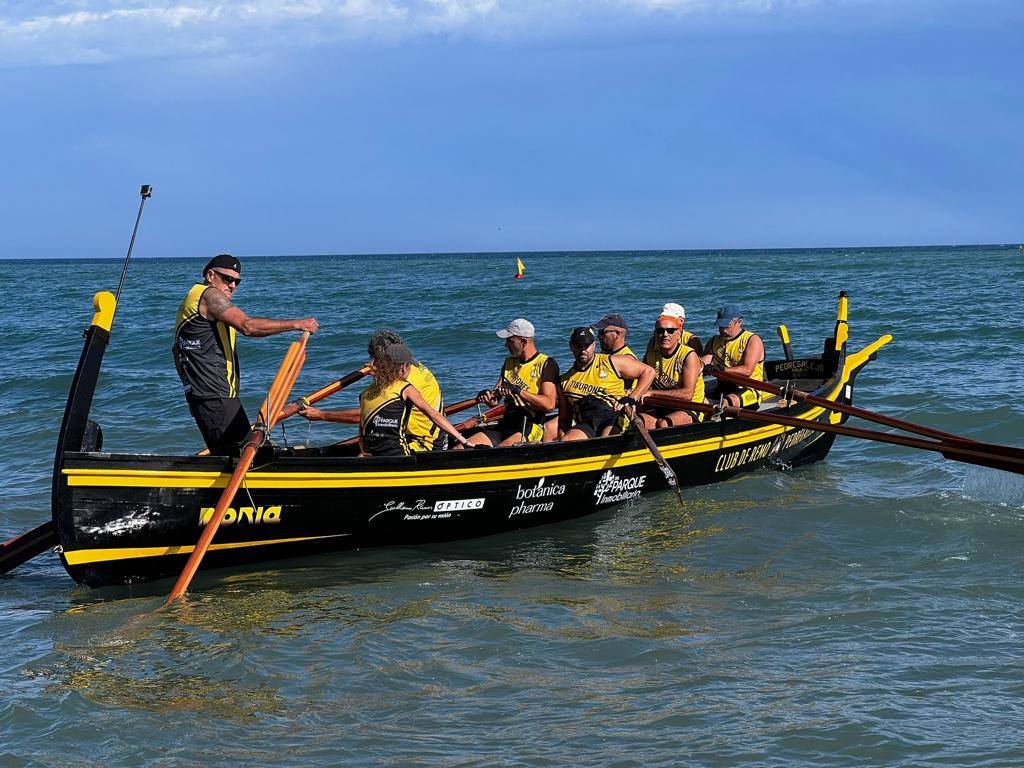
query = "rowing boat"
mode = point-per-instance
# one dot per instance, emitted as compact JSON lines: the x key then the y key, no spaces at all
{"x":126,"y":518}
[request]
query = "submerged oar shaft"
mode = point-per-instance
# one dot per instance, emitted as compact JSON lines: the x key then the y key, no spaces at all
{"x":279,"y":391}
{"x":970,"y":454}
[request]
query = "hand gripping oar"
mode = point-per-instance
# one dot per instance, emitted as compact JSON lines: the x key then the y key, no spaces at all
{"x":666,"y":470}
{"x":269,"y":416}
{"x":967,"y":453}
{"x":878,"y":418}
{"x":304,"y":402}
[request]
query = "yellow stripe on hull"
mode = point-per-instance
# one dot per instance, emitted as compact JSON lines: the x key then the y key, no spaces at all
{"x":141,"y":478}
{"x":85,"y":556}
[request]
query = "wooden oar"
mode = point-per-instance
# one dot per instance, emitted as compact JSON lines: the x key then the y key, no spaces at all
{"x":269,"y":416}
{"x":861,"y":413}
{"x":23,"y":548}
{"x":967,"y":453}
{"x":304,"y":402}
{"x":494,"y":413}
{"x":652,"y":446}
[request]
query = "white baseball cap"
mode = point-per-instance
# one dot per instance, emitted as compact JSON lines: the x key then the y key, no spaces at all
{"x":517,"y":327}
{"x":674,"y":310}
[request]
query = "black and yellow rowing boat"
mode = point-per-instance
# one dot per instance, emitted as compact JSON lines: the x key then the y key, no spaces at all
{"x":125,"y":518}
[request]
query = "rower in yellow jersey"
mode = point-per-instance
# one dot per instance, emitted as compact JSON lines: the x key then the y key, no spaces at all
{"x":421,"y":434}
{"x":677,"y":370}
{"x":671,"y":309}
{"x":737,"y":351}
{"x":594,"y":390}
{"x":528,"y":384}
{"x":386,"y":405}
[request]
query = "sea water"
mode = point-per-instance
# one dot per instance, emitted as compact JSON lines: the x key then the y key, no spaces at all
{"x":866,"y":610}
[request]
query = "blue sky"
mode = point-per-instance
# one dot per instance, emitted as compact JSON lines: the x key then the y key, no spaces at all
{"x":351,"y":126}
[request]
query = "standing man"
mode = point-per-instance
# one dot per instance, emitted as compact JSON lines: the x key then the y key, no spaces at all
{"x":736,"y":351}
{"x":205,"y":356}
{"x":528,"y":383}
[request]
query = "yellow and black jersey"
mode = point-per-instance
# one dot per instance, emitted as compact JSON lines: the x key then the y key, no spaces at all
{"x":728,"y":353}
{"x":625,"y":351}
{"x":527,"y":374}
{"x":600,"y":380}
{"x":204,"y":350}
{"x":668,"y":370}
{"x":383,"y":419}
{"x":421,"y":431}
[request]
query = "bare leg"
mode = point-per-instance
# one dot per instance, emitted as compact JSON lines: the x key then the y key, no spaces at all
{"x":515,"y":439}
{"x":575,"y":434}
{"x":675,"y":419}
{"x":478,"y":439}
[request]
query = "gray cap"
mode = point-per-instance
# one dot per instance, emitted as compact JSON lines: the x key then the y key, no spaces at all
{"x":517,"y":327}
{"x":399,"y":354}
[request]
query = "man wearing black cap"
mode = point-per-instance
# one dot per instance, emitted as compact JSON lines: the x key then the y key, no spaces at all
{"x":205,"y":356}
{"x":594,"y":389}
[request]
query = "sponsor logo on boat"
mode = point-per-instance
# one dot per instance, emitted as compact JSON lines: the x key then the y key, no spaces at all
{"x":611,"y":488}
{"x":458,"y":505}
{"x":244,"y":515}
{"x":526,"y":496}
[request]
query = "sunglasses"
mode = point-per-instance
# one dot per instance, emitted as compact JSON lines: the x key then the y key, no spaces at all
{"x":664,"y":331}
{"x":605,"y":331}
{"x":229,"y":279}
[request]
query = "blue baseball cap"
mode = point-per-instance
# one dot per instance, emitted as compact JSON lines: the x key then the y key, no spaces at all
{"x":727,"y":314}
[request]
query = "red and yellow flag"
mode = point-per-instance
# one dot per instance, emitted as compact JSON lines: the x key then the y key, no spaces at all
{"x":520,"y":268}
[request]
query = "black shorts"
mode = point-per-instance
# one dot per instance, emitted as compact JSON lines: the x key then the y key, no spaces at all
{"x":222,"y":422}
{"x":508,"y":425}
{"x":749,"y":398}
{"x":593,"y":415}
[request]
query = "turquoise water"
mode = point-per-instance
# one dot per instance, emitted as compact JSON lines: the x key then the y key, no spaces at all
{"x":862,"y":611}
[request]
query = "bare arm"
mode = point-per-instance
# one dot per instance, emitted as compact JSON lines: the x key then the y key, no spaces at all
{"x":547,"y":398}
{"x":752,"y":355}
{"x":413,"y":395}
{"x":346,"y":416}
{"x":216,"y":305}
{"x":631,"y":368}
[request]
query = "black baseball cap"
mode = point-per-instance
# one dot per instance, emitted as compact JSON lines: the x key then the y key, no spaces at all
{"x":581,"y":337}
{"x":223,"y":261}
{"x":612,"y":319}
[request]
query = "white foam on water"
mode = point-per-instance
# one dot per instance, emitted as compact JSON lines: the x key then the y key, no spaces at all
{"x":994,"y":486}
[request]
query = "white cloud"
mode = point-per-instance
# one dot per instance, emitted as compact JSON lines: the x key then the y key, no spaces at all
{"x":90,"y":31}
